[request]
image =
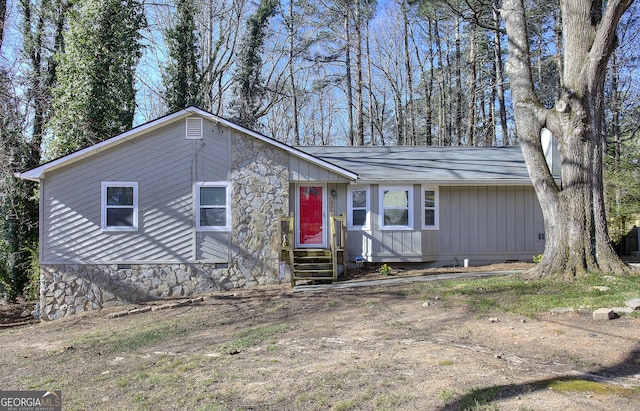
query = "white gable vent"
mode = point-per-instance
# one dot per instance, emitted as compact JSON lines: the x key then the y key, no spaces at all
{"x":194,"y":128}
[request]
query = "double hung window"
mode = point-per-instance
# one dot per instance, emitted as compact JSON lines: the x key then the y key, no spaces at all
{"x":396,"y":205}
{"x":213,"y":207}
{"x":119,"y":206}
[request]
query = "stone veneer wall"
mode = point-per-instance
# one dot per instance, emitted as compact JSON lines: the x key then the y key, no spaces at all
{"x":67,"y":289}
{"x":259,"y":196}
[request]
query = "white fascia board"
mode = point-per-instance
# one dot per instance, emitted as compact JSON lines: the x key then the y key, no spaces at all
{"x":456,"y":182}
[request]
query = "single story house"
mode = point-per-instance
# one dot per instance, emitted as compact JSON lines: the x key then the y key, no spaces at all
{"x":190,"y":203}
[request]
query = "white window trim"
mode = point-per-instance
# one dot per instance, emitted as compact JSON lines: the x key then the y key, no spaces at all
{"x":103,"y":203}
{"x":436,"y":225}
{"x":227,"y":187}
{"x":367,"y":221}
{"x":410,"y":210}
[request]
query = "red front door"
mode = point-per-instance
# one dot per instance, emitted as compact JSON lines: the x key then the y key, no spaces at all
{"x":311,"y":216}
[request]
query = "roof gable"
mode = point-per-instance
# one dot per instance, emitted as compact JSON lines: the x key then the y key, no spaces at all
{"x":39,"y":172}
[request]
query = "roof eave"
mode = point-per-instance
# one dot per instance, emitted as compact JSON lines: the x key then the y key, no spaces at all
{"x":451,"y":182}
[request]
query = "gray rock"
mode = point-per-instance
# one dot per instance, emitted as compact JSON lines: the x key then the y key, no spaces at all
{"x":604,"y":314}
{"x":633,"y":303}
{"x":561,"y":310}
{"x":623,"y":310}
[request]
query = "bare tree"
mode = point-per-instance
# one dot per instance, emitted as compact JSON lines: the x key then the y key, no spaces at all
{"x":577,"y":240}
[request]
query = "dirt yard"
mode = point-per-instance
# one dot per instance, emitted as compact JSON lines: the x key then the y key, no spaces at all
{"x":370,"y":348}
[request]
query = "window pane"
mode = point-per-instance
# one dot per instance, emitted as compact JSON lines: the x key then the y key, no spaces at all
{"x":213,"y":217}
{"x":359,"y":217}
{"x":359,"y":199}
{"x":396,"y":217}
{"x":397,"y":199}
{"x":429,"y":198}
{"x":119,"y":217}
{"x":120,"y":196}
{"x":429,"y":217}
{"x":213,"y":196}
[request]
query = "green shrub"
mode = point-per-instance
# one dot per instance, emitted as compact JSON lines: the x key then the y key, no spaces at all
{"x":385,"y":270}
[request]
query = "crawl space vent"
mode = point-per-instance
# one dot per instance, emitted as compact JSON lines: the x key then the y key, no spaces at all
{"x":194,"y":128}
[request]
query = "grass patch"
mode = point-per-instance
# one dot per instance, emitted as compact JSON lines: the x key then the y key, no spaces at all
{"x":479,"y":399}
{"x":529,"y":297}
{"x":446,"y":395}
{"x":601,"y":388}
{"x":252,"y":337}
{"x":130,"y":339}
{"x":346,"y":405}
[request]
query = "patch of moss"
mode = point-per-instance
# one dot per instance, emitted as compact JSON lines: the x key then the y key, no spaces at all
{"x":601,"y":388}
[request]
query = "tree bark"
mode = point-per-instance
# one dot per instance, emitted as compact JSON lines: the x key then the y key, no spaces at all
{"x":458,"y":84}
{"x":292,"y":80}
{"x":3,"y":16}
{"x":499,"y":86}
{"x":575,"y":228}
{"x":471,"y":108}
{"x":347,"y":60}
{"x":359,"y":86}
{"x":407,"y":59}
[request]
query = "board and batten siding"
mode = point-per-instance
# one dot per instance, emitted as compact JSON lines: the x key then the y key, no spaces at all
{"x":378,"y":245}
{"x":482,"y":223}
{"x":490,"y":222}
{"x":165,"y":165}
{"x":301,"y":170}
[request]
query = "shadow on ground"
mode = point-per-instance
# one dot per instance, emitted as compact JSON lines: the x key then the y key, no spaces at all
{"x":629,"y":367}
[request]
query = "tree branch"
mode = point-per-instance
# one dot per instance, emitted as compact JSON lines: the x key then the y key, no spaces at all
{"x":605,"y":40}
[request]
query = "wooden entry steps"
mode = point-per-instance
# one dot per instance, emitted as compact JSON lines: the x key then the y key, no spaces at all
{"x":312,"y":264}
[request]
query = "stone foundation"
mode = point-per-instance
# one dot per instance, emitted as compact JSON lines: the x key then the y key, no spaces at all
{"x":69,"y":289}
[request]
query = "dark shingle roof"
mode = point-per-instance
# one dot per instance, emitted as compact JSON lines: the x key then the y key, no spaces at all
{"x":458,"y":165}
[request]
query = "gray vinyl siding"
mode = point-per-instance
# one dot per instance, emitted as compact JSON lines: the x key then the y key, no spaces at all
{"x":165,"y":165}
{"x":301,"y":170}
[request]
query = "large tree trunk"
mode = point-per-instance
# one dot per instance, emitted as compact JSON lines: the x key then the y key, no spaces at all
{"x":575,"y":228}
